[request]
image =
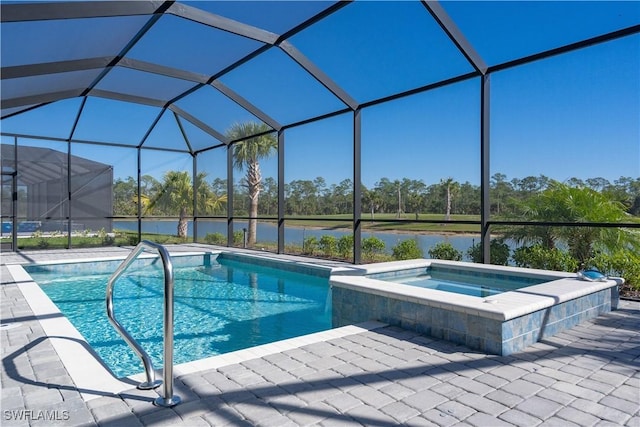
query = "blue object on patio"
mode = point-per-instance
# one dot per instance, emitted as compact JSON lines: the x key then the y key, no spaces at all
{"x":592,"y":275}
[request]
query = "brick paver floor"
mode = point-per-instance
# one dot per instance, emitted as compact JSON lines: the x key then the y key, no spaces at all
{"x":586,"y":376}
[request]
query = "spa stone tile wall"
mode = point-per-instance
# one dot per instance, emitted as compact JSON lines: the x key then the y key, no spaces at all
{"x":477,"y":332}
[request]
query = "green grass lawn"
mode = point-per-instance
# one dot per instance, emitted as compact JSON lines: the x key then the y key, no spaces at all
{"x":122,"y":238}
{"x":391,"y":222}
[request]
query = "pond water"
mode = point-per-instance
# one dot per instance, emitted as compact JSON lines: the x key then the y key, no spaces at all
{"x":294,"y":235}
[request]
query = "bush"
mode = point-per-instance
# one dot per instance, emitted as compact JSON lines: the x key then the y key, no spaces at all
{"x":537,"y":256}
{"x":345,"y":246}
{"x":500,"y":252}
{"x":623,"y":264}
{"x":309,"y":245}
{"x":215,"y":239}
{"x":43,"y":243}
{"x":445,"y":250}
{"x":407,"y":249}
{"x":372,"y":246}
{"x":328,"y":245}
{"x":238,"y":238}
{"x":107,"y":239}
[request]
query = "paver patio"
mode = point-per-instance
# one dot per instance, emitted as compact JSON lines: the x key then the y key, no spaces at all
{"x":589,"y":375}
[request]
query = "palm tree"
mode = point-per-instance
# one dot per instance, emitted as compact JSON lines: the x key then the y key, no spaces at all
{"x":564,"y":203}
{"x":372,"y":199}
{"x":499,"y":186}
{"x":450,"y":188}
{"x":247,"y":155}
{"x":176,"y":193}
{"x":207,"y":201}
{"x":399,"y":192}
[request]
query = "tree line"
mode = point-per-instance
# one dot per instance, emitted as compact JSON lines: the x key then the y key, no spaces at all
{"x":532,"y":199}
{"x":402,"y":198}
{"x":255,"y":196}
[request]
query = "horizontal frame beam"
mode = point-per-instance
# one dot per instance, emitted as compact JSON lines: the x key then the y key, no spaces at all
{"x":76,"y":10}
{"x":567,"y":48}
{"x":18,"y":71}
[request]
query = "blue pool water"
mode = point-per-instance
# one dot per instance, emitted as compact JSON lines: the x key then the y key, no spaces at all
{"x":219,"y":308}
{"x":472,"y":283}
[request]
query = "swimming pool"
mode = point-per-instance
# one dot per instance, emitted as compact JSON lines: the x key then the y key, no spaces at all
{"x":221,"y":305}
{"x":501,"y":323}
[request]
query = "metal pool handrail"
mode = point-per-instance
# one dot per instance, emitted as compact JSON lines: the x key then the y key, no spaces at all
{"x":168,"y":399}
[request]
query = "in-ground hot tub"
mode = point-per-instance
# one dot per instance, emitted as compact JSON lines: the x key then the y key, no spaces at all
{"x":495,"y":309}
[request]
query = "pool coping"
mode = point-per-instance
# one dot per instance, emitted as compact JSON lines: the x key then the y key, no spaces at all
{"x":504,"y":306}
{"x":93,"y":379}
{"x":84,"y":368}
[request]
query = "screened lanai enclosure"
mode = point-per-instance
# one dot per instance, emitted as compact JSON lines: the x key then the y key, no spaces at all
{"x":44,"y":194}
{"x":353,"y":130}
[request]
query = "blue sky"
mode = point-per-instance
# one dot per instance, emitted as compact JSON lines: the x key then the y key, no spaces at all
{"x":573,"y":115}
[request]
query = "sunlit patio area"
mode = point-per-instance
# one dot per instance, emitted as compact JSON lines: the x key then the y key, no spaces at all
{"x":368,"y":374}
{"x":322,"y":139}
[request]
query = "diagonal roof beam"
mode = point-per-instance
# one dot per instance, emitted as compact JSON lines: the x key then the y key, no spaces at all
{"x":193,"y":14}
{"x":333,"y":8}
{"x":29,"y":70}
{"x":318,"y":17}
{"x":309,"y":66}
{"x":184,"y":134}
{"x":126,"y":98}
{"x":188,"y":13}
{"x":205,"y":127}
{"x":159,"y":9}
{"x":455,"y":34}
{"x":222,"y":23}
{"x":157,"y":14}
{"x":162,"y":70}
{"x":75,"y":10}
{"x":229,"y":93}
{"x":77,"y":119}
{"x":41,"y":98}
{"x":150,"y":129}
{"x":235,"y":97}
{"x":318,"y":74}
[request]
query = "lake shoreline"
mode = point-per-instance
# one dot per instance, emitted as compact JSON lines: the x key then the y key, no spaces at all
{"x":370,"y":230}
